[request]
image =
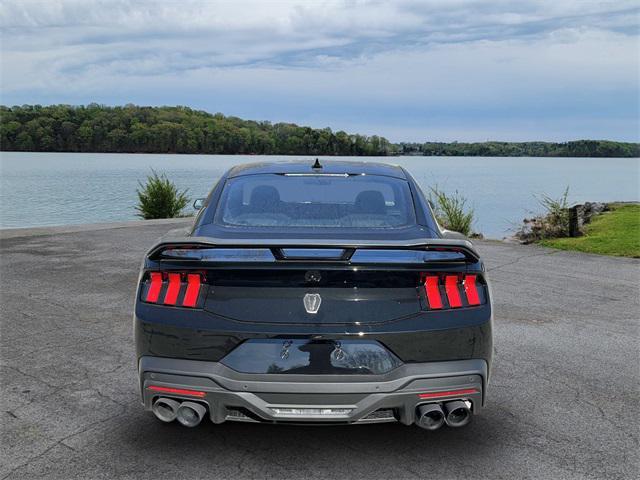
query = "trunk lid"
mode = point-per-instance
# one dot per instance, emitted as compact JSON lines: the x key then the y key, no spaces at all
{"x":354,"y":283}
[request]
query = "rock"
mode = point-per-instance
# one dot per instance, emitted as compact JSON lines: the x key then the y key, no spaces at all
{"x":581,"y":214}
{"x":512,"y":239}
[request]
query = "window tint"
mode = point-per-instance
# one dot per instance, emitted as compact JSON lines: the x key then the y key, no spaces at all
{"x":355,"y":201}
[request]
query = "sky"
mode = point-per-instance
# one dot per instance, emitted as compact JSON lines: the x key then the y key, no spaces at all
{"x":431,"y":70}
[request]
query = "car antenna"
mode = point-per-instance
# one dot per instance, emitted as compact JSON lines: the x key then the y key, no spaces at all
{"x":316,"y":164}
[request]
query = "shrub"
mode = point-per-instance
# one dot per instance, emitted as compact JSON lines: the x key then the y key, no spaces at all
{"x":553,"y":223}
{"x":556,"y":218}
{"x":160,"y":198}
{"x":451,"y":212}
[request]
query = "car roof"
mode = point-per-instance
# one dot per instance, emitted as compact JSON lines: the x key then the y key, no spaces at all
{"x":328,"y":167}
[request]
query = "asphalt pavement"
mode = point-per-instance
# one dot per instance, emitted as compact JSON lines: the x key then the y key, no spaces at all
{"x":563,"y":402}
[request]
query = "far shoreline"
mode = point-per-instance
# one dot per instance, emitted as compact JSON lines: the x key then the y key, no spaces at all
{"x":96,"y":128}
{"x":310,"y":155}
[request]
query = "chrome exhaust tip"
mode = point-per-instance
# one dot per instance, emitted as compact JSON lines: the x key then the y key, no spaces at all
{"x":458,"y":413}
{"x":430,"y":416}
{"x":165,"y":409}
{"x":190,"y":414}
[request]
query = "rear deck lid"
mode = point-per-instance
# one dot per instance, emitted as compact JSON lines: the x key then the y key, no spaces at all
{"x":302,"y":283}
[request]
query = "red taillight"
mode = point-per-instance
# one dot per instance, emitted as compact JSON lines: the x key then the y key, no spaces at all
{"x":471,"y":295}
{"x":433,"y":292}
{"x":193,"y":289}
{"x":173,"y":288}
{"x":154,"y":287}
{"x":448,"y":393}
{"x":176,"y":391}
{"x":471,"y":290}
{"x":453,"y":294}
{"x":171,"y":296}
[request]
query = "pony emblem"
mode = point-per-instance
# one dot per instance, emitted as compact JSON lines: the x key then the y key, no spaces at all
{"x":312,"y":302}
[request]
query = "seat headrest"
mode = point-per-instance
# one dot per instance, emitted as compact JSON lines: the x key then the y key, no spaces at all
{"x":370,"y":201}
{"x":264,"y":198}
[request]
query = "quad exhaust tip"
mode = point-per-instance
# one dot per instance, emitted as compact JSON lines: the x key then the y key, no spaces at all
{"x":189,"y":414}
{"x":458,"y":413}
{"x":166,"y":409}
{"x":430,"y":416}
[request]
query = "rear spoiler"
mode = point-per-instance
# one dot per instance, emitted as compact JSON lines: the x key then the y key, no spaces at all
{"x":234,"y":250}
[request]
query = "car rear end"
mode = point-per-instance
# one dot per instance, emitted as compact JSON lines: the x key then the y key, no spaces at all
{"x":310,"y":328}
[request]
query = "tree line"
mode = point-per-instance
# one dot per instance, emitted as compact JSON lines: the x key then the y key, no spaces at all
{"x":135,"y":129}
{"x":577,"y":148}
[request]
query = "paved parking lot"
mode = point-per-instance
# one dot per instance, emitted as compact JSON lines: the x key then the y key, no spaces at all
{"x":563,"y":402}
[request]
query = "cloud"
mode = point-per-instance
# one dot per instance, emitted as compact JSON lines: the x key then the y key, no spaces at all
{"x":453,"y":67}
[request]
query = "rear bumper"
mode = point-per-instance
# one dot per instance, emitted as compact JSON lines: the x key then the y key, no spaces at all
{"x":233,"y":396}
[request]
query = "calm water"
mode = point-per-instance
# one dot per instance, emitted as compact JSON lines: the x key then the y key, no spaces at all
{"x":39,"y":189}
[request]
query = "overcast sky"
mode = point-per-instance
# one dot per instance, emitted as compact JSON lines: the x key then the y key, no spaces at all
{"x":408,"y":70}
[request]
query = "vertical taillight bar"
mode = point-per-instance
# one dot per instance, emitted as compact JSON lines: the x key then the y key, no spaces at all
{"x":193,"y":289}
{"x":453,"y":294}
{"x":171,"y":297}
{"x":154,"y":287}
{"x":471,"y":290}
{"x":433,"y":292}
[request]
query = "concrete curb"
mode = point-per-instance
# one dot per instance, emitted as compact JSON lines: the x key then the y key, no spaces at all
{"x":8,"y":233}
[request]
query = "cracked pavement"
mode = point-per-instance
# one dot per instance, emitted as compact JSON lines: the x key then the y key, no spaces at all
{"x":563,"y":400}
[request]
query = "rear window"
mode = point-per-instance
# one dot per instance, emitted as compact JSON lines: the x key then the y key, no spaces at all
{"x":323,"y":200}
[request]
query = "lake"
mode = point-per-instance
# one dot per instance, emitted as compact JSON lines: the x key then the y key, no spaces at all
{"x":38,"y":189}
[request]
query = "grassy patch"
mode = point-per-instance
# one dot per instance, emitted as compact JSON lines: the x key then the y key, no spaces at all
{"x":616,"y":232}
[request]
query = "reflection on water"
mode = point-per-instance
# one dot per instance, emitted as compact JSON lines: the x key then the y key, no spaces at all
{"x":65,"y":188}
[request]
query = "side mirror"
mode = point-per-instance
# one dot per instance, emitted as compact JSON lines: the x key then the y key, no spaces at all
{"x":198,"y":203}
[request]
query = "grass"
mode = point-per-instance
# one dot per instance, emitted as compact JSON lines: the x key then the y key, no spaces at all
{"x":616,"y":232}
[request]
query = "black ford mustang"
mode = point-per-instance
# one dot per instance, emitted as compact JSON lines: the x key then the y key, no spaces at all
{"x":309,"y":293}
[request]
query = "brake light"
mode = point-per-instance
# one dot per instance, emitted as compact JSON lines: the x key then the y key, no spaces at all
{"x":171,"y":296}
{"x":471,"y":290}
{"x":193,"y":289}
{"x":453,"y":294}
{"x":154,"y":289}
{"x":173,"y":288}
{"x":458,"y":290}
{"x":433,"y":292}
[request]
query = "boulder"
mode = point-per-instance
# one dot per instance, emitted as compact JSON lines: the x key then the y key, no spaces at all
{"x":580,"y":215}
